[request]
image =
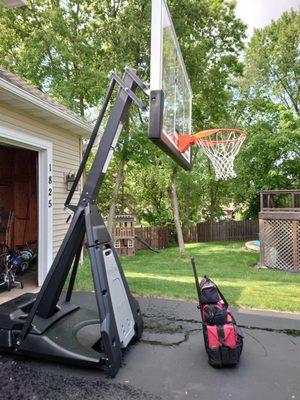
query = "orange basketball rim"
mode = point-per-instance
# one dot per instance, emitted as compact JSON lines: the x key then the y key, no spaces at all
{"x":221,"y":146}
{"x":186,"y":141}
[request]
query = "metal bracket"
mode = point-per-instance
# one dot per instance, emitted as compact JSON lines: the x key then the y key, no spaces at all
{"x":128,"y":91}
{"x":138,"y":81}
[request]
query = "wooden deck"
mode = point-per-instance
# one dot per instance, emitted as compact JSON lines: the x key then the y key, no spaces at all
{"x":279,"y":226}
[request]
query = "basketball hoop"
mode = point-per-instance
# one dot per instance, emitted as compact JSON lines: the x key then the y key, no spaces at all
{"x":220,"y":145}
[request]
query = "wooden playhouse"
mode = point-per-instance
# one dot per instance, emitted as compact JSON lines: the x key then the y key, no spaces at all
{"x":124,"y":235}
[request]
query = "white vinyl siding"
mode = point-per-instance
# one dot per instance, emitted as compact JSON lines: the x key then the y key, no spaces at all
{"x":66,"y":157}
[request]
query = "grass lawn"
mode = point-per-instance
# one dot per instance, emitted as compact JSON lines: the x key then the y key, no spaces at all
{"x":168,"y":275}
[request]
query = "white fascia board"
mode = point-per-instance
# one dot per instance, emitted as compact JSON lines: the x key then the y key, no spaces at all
{"x":17,"y":91}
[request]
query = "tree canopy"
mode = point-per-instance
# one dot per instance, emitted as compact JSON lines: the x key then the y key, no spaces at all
{"x":67,"y":48}
{"x":267,"y":105}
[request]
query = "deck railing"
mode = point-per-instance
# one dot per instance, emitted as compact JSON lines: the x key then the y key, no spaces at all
{"x":280,"y":200}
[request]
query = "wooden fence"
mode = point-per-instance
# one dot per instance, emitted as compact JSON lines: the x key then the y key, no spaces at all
{"x":190,"y":235}
{"x":157,"y":237}
{"x":222,"y":231}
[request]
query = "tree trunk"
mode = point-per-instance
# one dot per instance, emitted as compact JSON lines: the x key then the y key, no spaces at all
{"x":118,"y":182}
{"x":213,"y":191}
{"x":114,"y":196}
{"x":213,"y":194}
{"x":175,"y":209}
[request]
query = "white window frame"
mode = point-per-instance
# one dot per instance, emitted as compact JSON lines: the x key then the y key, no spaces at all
{"x":130,"y":244}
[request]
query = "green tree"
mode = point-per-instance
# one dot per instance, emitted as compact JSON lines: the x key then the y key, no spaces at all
{"x":212,"y":39}
{"x":267,"y":105}
{"x":273,"y":62}
{"x":211,"y":57}
{"x":59,"y":47}
{"x":66,"y":48}
{"x":270,"y":159}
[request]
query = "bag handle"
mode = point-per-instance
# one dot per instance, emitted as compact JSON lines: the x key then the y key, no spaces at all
{"x":222,"y":297}
{"x":221,"y":334}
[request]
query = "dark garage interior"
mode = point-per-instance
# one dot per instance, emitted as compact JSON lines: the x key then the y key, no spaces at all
{"x":18,"y":205}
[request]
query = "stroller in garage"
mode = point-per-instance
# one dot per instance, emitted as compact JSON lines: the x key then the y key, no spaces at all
{"x":13,"y":262}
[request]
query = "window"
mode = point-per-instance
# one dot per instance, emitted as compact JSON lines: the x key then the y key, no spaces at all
{"x":130,"y":244}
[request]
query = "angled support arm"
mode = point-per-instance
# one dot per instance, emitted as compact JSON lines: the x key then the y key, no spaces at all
{"x":115,"y":79}
{"x":87,"y":220}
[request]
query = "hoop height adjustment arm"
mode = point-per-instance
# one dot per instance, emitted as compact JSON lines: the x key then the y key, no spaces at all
{"x":128,"y":91}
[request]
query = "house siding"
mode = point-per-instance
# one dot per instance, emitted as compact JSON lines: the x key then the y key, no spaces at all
{"x":66,"y":157}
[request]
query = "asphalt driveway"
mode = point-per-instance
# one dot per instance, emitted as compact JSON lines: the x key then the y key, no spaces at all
{"x":170,"y":362}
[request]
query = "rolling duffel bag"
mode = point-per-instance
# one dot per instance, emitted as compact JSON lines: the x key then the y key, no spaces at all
{"x":223,"y":338}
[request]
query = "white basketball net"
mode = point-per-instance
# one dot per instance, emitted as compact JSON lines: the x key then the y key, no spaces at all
{"x":222,"y":148}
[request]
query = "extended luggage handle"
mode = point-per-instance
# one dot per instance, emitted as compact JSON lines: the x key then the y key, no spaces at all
{"x":198,"y":285}
{"x":196,"y":281}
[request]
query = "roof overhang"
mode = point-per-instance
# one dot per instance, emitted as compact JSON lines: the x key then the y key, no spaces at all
{"x":24,"y":101}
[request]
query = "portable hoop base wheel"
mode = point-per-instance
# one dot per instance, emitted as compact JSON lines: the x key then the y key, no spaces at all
{"x":220,"y":145}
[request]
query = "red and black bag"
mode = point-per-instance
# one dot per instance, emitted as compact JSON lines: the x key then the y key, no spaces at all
{"x":222,"y":337}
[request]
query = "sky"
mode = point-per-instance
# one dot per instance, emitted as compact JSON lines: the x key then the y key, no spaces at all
{"x":259,"y":13}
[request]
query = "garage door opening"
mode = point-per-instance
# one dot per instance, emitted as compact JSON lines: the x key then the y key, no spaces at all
{"x":19,"y":212}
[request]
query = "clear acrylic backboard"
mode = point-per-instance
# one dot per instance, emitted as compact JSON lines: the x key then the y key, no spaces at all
{"x":171,"y":94}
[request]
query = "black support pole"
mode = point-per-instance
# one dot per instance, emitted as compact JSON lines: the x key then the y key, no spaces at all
{"x":120,"y":319}
{"x":91,"y":142}
{"x":57,"y":275}
{"x":74,"y":272}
